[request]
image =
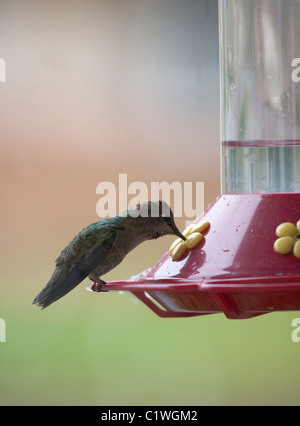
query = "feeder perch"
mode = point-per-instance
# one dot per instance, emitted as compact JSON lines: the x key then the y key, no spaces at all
{"x":236,"y":269}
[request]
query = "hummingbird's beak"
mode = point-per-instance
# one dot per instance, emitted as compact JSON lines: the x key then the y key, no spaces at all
{"x":177,"y":232}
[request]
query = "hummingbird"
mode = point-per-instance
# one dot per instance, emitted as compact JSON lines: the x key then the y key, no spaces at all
{"x":101,"y":246}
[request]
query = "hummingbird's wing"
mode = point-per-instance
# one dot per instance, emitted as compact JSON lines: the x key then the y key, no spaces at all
{"x":68,"y":275}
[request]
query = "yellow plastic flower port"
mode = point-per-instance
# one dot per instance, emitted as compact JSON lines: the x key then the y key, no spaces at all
{"x":193,"y":234}
{"x":289,"y":239}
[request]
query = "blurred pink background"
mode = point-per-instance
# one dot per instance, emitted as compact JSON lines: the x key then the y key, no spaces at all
{"x":95,"y":89}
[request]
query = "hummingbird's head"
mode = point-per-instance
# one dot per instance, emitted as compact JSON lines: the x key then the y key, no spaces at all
{"x":160,"y":219}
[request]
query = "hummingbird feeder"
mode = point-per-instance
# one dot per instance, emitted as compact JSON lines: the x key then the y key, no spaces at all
{"x":248,"y":261}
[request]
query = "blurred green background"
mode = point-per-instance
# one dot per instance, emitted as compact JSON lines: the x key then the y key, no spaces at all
{"x":94,"y":89}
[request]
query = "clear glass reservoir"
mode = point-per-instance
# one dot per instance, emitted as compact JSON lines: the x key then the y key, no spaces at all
{"x":260,"y":95}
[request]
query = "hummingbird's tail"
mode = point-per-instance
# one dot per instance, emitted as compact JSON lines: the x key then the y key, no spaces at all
{"x":61,"y":282}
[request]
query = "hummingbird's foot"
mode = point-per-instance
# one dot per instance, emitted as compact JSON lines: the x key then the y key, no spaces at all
{"x":99,"y":286}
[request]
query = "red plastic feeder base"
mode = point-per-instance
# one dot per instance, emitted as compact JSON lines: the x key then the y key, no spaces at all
{"x":233,"y":270}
